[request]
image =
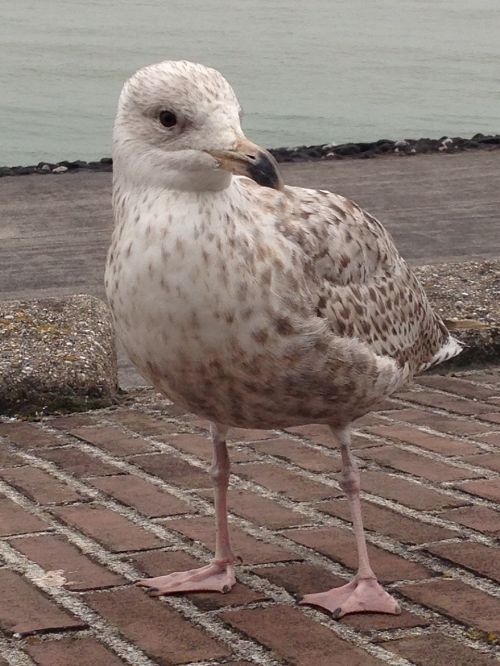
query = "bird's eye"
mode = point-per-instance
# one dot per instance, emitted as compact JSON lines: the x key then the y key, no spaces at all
{"x":167,"y":118}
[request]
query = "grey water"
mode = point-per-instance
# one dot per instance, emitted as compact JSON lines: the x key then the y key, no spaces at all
{"x":306,"y":72}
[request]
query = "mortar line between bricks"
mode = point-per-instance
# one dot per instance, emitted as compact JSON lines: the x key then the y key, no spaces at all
{"x":249,"y":646}
{"x":13,"y":653}
{"x":413,"y":632}
{"x":407,"y":402}
{"x":416,"y":387}
{"x":383,"y":542}
{"x":487,"y":473}
{"x":251,"y":579}
{"x":466,"y":373}
{"x":394,"y":506}
{"x":313,"y":476}
{"x":101,"y":629}
{"x":207,"y":508}
{"x":73,"y":602}
{"x":176,"y":452}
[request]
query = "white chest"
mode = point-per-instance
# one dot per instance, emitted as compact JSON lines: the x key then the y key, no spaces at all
{"x":188,"y":279}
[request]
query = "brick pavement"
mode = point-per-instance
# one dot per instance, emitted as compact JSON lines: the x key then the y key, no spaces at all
{"x":91,"y":502}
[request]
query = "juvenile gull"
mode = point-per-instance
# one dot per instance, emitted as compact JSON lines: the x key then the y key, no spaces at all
{"x":251,"y":303}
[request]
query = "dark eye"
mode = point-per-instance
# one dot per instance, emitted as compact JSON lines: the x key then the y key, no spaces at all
{"x":167,"y":118}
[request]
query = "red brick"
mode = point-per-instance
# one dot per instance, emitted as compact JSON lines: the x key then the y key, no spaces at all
{"x":174,"y":470}
{"x":458,"y":601}
{"x":479,"y":518}
{"x":201,"y":447}
{"x":299,"y":454}
{"x":437,"y":650}
{"x":65,"y":423}
{"x":260,"y":510}
{"x":160,"y":563}
{"x":406,"y":461}
{"x":492,"y":376}
{"x":163,"y":633}
{"x":53,"y":553}
{"x":147,"y":425}
{"x":316,"y":432}
{"x":9,"y":458}
{"x":487,"y":488}
{"x":492,"y":438}
{"x":321,"y":434}
{"x":368,"y":420}
{"x":382,"y":520}
{"x":108,"y":527}
{"x":195,"y":421}
{"x":141,"y":495}
{"x":368,"y":622}
{"x":487,"y":460}
{"x":492,"y":417}
{"x":28,"y":436}
{"x":339,"y":544}
{"x":441,"y":422}
{"x":297,"y":638}
{"x":79,"y":650}
{"x":39,"y":486}
{"x":438,"y":444}
{"x":364,"y":441}
{"x":458,"y":386}
{"x":449,"y":403}
{"x":25,"y":610}
{"x":15,"y":520}
{"x":407,"y":492}
{"x":77,"y":462}
{"x":302,"y":578}
{"x":247,"y":547}
{"x":285,"y":481}
{"x":196,"y":445}
{"x":480,"y":559}
{"x":248,"y":435}
{"x":112,"y":440}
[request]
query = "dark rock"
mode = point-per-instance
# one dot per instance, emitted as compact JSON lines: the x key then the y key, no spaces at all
{"x":24,"y":171}
{"x":348,"y":149}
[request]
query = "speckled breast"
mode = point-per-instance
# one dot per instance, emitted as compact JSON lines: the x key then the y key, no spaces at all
{"x":193,"y":306}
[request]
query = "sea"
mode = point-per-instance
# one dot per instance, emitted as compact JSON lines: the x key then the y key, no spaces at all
{"x":306,"y":72}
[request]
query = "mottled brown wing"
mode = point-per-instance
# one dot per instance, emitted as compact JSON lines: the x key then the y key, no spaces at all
{"x":363,"y":286}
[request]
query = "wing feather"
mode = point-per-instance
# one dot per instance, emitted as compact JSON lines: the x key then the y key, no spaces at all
{"x":361,"y":284}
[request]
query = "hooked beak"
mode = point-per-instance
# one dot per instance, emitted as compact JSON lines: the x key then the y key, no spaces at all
{"x":248,"y":159}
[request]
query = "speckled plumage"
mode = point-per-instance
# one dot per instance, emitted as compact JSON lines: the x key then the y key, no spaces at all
{"x":251,"y":306}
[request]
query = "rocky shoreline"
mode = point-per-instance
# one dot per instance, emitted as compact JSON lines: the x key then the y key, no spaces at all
{"x":328,"y":151}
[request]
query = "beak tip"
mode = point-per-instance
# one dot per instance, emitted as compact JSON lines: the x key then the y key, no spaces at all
{"x":265,"y":171}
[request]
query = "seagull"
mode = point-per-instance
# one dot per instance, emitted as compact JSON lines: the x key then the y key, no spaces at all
{"x":251,"y":303}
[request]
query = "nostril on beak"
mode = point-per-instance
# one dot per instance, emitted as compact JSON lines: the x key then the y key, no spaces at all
{"x":251,"y":157}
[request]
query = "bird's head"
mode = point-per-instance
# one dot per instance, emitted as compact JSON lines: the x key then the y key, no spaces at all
{"x":178,"y":126}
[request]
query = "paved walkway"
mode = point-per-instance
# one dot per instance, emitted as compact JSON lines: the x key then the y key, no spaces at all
{"x":92,"y":502}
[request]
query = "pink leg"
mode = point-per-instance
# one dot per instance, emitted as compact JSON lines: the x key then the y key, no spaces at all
{"x":219,"y":574}
{"x":364,"y":592}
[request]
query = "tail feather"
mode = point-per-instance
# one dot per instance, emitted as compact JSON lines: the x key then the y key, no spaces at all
{"x":450,"y":349}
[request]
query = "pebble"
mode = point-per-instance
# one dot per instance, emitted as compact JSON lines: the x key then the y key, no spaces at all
{"x":60,"y":169}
